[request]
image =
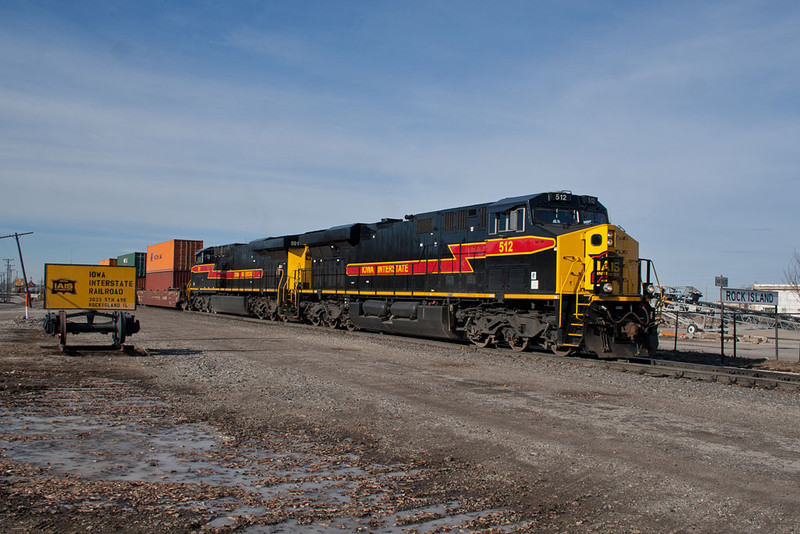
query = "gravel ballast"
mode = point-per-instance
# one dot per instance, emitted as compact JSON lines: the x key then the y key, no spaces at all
{"x":337,"y":431}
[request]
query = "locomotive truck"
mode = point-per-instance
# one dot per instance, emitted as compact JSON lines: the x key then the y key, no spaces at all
{"x":545,"y":269}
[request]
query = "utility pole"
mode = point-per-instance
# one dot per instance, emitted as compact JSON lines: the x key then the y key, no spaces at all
{"x":17,"y":235}
{"x":8,"y":278}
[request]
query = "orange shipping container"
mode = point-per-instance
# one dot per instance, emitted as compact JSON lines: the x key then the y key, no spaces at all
{"x":112,"y":262}
{"x":174,"y":255}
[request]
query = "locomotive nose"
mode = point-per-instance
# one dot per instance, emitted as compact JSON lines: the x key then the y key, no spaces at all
{"x":612,"y":257}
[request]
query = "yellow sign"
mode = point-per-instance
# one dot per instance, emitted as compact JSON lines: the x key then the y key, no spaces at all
{"x":89,"y":287}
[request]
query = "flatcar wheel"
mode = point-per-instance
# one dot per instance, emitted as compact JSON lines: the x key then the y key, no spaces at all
{"x":561,"y":350}
{"x":519,"y":344}
{"x":119,"y":330}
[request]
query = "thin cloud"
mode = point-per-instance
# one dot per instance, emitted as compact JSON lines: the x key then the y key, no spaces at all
{"x":281,"y":46}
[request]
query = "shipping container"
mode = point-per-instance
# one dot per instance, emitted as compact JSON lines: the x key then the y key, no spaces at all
{"x":175,"y":255}
{"x":141,"y":282}
{"x":165,"y":299}
{"x":134,"y":259}
{"x":112,"y":262}
{"x":167,"y":280}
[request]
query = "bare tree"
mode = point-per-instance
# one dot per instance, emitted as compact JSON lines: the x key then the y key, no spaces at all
{"x":792,"y":273}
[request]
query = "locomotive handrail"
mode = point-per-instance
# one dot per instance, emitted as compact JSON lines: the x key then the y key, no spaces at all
{"x":281,"y":286}
{"x":581,"y":277}
{"x":660,"y":291}
{"x":660,"y":295}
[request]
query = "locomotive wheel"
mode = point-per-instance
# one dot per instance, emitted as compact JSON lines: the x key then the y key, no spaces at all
{"x":519,"y":344}
{"x":561,"y":350}
{"x":477,"y":336}
{"x":481,"y":340}
{"x":516,"y":342}
{"x":261,"y":311}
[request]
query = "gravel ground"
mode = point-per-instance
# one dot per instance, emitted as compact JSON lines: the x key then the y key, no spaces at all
{"x":218,"y":424}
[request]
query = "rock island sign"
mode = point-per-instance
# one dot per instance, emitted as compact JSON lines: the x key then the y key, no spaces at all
{"x":749,"y":296}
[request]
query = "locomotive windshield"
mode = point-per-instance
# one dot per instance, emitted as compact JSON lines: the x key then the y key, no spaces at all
{"x":555,"y":216}
{"x":594,"y":216}
{"x":550,"y":214}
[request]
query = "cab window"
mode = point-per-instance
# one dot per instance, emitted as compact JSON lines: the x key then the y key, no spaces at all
{"x":204,"y":256}
{"x":508,"y":221}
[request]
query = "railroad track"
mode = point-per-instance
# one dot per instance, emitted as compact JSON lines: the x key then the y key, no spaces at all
{"x":704,"y":372}
{"x":646,"y":366}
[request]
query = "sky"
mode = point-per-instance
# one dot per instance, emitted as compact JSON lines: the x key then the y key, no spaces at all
{"x":125,"y":124}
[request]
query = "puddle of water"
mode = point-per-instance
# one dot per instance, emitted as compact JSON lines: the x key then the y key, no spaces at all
{"x":114,"y":432}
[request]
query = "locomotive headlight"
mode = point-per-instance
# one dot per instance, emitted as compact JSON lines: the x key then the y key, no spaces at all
{"x":650,"y":289}
{"x":608,"y":287}
{"x":610,"y":239}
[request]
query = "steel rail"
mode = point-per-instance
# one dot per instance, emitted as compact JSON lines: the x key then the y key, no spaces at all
{"x":654,"y":367}
{"x":709,"y":373}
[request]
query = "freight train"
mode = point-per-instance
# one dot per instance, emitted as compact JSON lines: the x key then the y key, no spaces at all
{"x":545,"y":269}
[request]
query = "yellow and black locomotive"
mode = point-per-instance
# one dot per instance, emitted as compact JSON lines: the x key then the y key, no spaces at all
{"x":545,"y":269}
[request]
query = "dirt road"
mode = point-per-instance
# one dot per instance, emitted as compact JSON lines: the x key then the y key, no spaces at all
{"x":227,"y":424}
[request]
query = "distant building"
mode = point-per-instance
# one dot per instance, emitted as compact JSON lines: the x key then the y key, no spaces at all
{"x":788,"y":299}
